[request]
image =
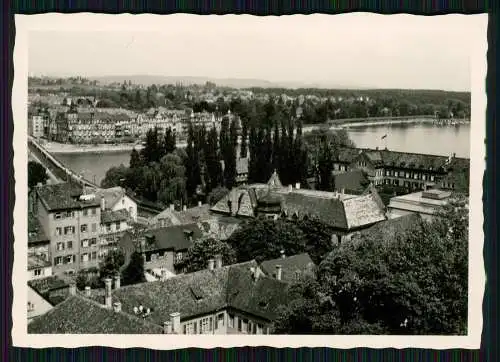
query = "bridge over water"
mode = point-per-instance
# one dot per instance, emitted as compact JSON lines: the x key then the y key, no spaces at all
{"x":58,"y":172}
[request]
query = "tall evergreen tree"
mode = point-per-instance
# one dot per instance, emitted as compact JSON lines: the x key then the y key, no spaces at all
{"x":244,"y":136}
{"x":267,"y":153}
{"x":192,"y":163}
{"x":276,"y":158}
{"x":169,"y":141}
{"x":325,"y":167}
{"x":230,"y":156}
{"x":151,"y":151}
{"x":253,"y":161}
{"x":213,"y":173}
{"x":283,"y":167}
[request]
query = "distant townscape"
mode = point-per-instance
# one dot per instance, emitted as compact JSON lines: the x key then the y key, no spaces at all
{"x":242,"y":211}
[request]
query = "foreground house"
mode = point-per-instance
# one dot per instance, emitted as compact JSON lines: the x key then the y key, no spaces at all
{"x":234,"y":299}
{"x":116,"y":199}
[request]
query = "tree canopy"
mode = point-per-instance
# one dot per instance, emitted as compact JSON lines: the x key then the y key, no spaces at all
{"x":202,"y":250}
{"x":413,"y":284}
{"x":36,"y":174}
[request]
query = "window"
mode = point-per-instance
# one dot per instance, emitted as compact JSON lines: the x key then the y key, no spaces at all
{"x":94,"y":227}
{"x":432,"y":177}
{"x":260,"y":328}
{"x":85,"y":212}
{"x":60,"y":246}
{"x":123,"y":201}
{"x":58,"y":231}
{"x":248,"y":325}
{"x":190,"y":328}
{"x":220,"y":320}
{"x":93,"y":241}
{"x":84,"y":257}
{"x":93,"y":256}
{"x":254,"y":328}
{"x":130,"y":210}
{"x":58,"y":260}
{"x":31,"y":307}
{"x":68,"y":230}
{"x":94,"y":211}
{"x":230,"y":321}
{"x":83,"y":228}
{"x":117,"y":225}
{"x":108,"y":227}
{"x":85,"y":243}
{"x":69,"y":244}
{"x":57,"y":216}
{"x":178,"y":256}
{"x":69,"y":259}
{"x":69,"y":214}
{"x":37,"y":272}
{"x":205,"y":325}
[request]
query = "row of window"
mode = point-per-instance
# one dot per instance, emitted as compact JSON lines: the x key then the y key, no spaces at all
{"x":406,"y":174}
{"x":70,"y":259}
{"x":154,"y":257}
{"x":71,"y":214}
{"x":85,"y":243}
{"x":69,"y":230}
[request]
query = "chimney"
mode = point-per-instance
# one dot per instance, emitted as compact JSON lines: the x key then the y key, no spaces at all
{"x":342,"y":191}
{"x":278,"y":272}
{"x":117,"y":306}
{"x":218,"y":261}
{"x":175,"y":319}
{"x":167,"y":327}
{"x":199,"y":204}
{"x":87,"y":291}
{"x":117,"y":281}
{"x":282,"y":252}
{"x":297,"y":185}
{"x":108,"y":287}
{"x":72,"y":289}
{"x":290,"y":188}
{"x":172,"y":207}
{"x":211,"y":263}
{"x":184,"y":207}
{"x":103,"y":204}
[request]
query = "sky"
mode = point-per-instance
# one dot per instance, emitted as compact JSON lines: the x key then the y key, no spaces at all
{"x":351,"y":50}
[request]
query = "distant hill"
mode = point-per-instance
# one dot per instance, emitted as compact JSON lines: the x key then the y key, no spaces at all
{"x":224,"y":82}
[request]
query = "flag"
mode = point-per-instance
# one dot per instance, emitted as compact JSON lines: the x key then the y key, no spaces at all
{"x":384,"y":136}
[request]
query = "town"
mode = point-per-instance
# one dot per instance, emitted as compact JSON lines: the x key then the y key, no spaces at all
{"x":231,"y":218}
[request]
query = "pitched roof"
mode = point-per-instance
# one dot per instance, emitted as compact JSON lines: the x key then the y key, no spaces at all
{"x":78,"y":315}
{"x":44,"y":285}
{"x":274,"y":180}
{"x":388,"y":230}
{"x":35,"y":262}
{"x":204,"y":292}
{"x":35,"y":231}
{"x":63,"y":196}
{"x":350,"y":181}
{"x":109,"y":216}
{"x":172,"y":237}
{"x":111,"y":195}
{"x":290,"y":265}
{"x":192,"y":215}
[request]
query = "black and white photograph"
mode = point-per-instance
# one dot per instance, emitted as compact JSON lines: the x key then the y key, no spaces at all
{"x":291,"y":181}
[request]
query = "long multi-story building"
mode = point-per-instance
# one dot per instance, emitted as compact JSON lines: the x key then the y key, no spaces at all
{"x":71,"y":220}
{"x":412,"y":171}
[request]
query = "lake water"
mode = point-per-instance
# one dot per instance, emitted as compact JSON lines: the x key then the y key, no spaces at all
{"x":418,"y":138}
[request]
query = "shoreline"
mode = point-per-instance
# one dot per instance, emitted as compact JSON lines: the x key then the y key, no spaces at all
{"x":55,"y":147}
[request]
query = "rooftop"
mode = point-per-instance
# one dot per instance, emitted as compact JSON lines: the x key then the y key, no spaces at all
{"x":110,"y":216}
{"x":111,"y":195}
{"x":206,"y":291}
{"x":64,"y":196}
{"x":290,"y":265}
{"x":36,"y":262}
{"x":78,"y":315}
{"x":35,"y":231}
